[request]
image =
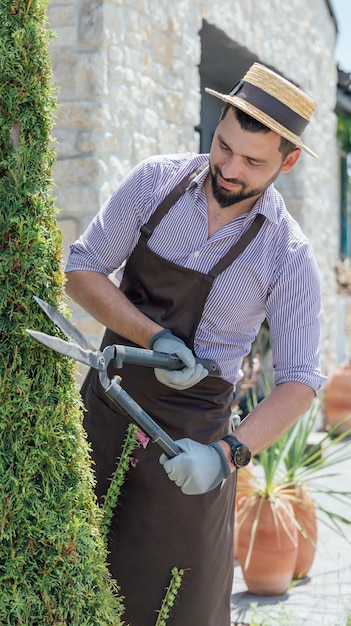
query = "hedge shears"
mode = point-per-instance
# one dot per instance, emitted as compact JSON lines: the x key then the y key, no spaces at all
{"x":80,"y":349}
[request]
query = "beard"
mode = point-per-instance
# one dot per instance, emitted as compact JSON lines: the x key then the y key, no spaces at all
{"x":227,"y":198}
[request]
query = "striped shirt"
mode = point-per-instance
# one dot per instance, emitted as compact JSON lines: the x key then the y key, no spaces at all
{"x":275,"y":278}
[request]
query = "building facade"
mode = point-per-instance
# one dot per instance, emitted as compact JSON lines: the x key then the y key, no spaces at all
{"x":131,"y":76}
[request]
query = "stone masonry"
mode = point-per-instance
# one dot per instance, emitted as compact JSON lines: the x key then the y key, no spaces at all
{"x":129,"y":87}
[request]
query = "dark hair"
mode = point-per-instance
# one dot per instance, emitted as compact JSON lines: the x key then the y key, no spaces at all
{"x":254,"y":126}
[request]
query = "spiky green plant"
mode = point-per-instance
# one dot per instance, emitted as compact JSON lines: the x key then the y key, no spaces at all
{"x":52,"y":555}
{"x":306,"y":464}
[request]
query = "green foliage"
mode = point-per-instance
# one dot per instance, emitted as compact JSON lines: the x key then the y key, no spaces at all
{"x":52,"y":554}
{"x":344,"y":131}
{"x":268,"y":616}
{"x":170,"y":596}
{"x":263,"y":616}
{"x":118,"y":477}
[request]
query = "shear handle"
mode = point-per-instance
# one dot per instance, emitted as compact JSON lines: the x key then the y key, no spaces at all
{"x":139,"y":417}
{"x":163,"y":360}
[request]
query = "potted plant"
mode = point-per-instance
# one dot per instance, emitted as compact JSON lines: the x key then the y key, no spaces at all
{"x":277,"y":516}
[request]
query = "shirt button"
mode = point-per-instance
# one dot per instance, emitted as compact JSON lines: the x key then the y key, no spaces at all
{"x":197,"y":253}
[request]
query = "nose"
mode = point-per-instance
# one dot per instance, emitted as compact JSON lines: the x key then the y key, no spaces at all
{"x":231,"y":168}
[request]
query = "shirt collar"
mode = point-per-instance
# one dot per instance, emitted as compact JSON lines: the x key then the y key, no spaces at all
{"x":199,"y":179}
{"x":267,"y":204}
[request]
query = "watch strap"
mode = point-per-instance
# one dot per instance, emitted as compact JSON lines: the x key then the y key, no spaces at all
{"x":233,"y":441}
{"x":224,"y":462}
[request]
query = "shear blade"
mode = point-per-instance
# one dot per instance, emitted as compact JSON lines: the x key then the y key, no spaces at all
{"x":65,"y":325}
{"x":69,"y":349}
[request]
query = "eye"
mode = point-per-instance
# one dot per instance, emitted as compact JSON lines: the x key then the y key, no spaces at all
{"x":253,"y":163}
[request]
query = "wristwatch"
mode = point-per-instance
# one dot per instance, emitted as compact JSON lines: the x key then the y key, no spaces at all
{"x":241,"y":454}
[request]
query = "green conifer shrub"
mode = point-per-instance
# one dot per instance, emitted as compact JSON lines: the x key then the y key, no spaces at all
{"x":52,"y":554}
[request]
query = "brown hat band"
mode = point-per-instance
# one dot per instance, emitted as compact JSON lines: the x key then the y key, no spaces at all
{"x":269,"y":105}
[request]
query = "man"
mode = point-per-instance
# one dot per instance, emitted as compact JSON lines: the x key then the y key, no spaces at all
{"x":204,"y":267}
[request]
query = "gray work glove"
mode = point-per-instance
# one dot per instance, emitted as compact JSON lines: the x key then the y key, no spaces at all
{"x":190,"y":375}
{"x":198,"y":469}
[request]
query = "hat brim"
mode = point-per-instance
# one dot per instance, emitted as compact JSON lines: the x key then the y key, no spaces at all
{"x":265,"y":119}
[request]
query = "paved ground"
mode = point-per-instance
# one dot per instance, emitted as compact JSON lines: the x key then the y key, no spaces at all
{"x":324,"y":597}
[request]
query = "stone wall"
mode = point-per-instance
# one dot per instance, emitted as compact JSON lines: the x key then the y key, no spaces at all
{"x":129,"y":86}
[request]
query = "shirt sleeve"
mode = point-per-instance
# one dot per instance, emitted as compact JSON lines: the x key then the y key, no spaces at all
{"x":112,"y":235}
{"x":293,"y":311}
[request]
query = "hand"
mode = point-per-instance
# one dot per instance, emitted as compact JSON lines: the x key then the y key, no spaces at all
{"x":190,"y":375}
{"x":198,"y":469}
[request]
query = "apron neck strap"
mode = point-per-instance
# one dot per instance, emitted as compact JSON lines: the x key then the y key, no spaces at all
{"x":239,"y":247}
{"x":169,"y":200}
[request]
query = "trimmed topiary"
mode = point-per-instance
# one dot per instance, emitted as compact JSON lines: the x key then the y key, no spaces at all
{"x":52,"y":554}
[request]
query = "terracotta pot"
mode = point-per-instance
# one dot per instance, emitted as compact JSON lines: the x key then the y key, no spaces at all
{"x":270,"y":568}
{"x":245,"y":483}
{"x":305,"y":515}
{"x":338,"y":398}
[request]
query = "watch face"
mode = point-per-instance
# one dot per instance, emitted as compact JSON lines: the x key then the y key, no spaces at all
{"x":242,"y":456}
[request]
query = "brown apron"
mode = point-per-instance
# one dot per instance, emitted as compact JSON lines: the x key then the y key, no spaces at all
{"x":155,"y":526}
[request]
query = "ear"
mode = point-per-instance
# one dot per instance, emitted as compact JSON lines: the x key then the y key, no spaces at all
{"x":291,"y":160}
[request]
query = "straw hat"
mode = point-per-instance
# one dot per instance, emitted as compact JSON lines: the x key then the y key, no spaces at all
{"x":273,"y":101}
